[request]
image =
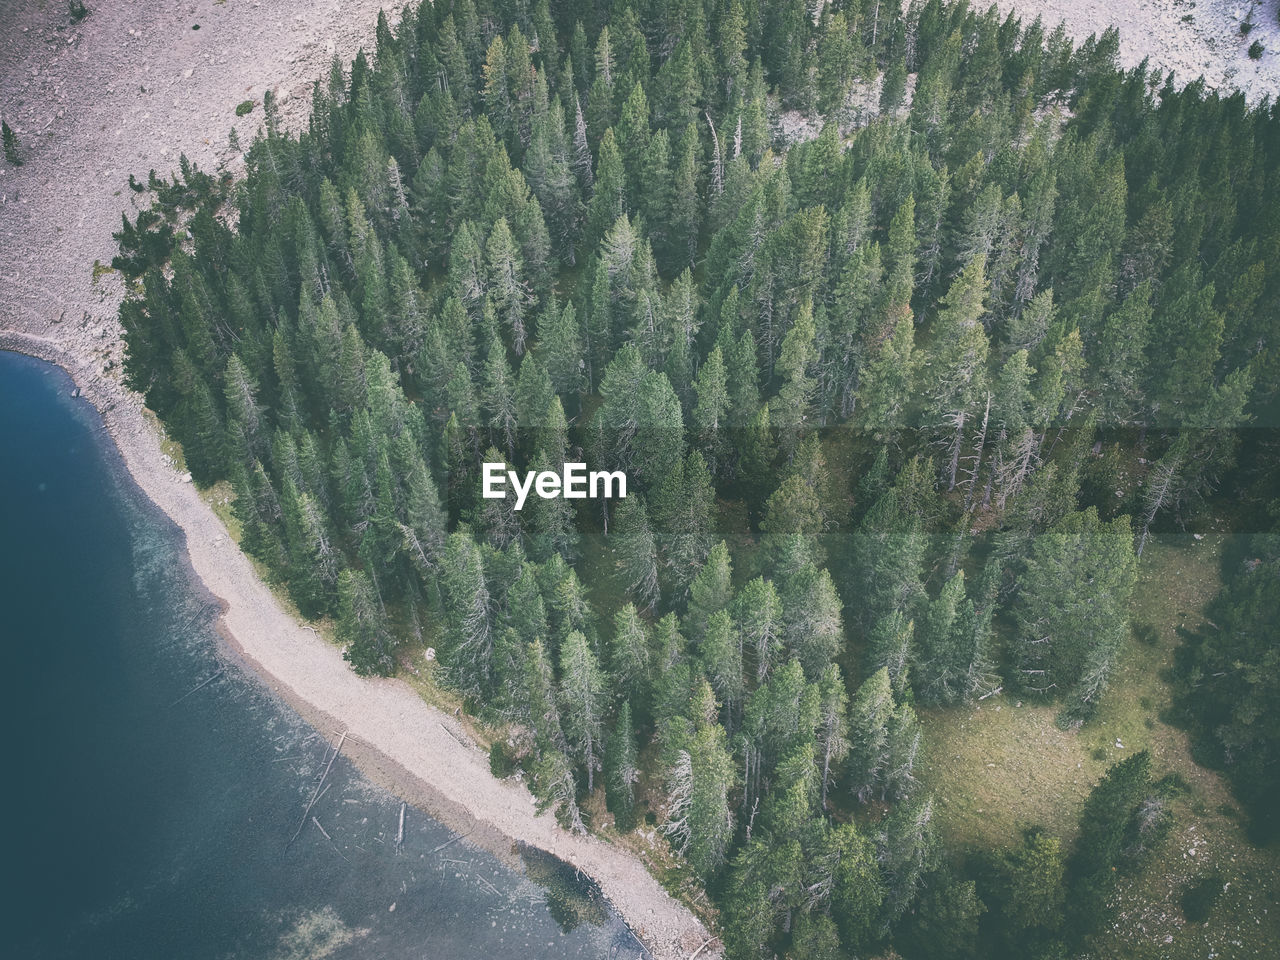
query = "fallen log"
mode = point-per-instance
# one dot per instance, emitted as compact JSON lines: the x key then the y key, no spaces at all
{"x":198,"y":688}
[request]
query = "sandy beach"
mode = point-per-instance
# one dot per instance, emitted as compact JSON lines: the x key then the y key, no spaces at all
{"x":132,"y":87}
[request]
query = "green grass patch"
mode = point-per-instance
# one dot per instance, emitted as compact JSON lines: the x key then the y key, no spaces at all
{"x":998,"y":767}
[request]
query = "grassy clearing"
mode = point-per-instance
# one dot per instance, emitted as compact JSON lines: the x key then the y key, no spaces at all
{"x":1000,"y":767}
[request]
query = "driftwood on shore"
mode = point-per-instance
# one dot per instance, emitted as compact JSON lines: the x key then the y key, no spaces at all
{"x":318,"y":792}
{"x":198,"y":687}
{"x":329,"y":838}
{"x":460,"y":741}
{"x":451,"y":842}
{"x":400,"y":832}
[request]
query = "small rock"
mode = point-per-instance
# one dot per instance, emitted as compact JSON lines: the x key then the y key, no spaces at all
{"x":186,"y":478}
{"x":186,"y":74}
{"x":1119,"y":745}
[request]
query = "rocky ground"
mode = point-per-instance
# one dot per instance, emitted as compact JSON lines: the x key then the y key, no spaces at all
{"x":1192,"y":38}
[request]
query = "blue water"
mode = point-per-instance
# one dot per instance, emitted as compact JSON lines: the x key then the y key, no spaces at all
{"x":143,"y":820}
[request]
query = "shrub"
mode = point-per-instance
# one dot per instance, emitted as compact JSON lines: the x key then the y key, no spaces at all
{"x":10,"y":144}
{"x":1255,"y":50}
{"x":502,"y":760}
{"x":77,"y":10}
{"x":245,"y":107}
{"x":1200,"y":896}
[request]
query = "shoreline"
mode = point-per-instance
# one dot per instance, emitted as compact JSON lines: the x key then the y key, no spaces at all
{"x":127,"y":89}
{"x":394,"y":737}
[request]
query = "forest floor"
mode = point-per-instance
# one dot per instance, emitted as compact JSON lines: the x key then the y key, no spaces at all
{"x":1004,"y":765}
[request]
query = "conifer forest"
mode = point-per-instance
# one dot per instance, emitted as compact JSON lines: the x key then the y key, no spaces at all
{"x":913,"y":331}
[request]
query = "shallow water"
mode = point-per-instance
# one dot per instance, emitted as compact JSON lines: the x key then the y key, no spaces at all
{"x":146,"y":816}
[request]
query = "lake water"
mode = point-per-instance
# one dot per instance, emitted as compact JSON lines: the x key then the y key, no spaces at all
{"x":145,"y":818}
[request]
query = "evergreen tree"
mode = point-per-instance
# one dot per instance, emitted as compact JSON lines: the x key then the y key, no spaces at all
{"x":699,"y":821}
{"x":582,"y":700}
{"x":362,"y":626}
{"x":833,"y":739}
{"x":621,"y":770}
{"x":635,"y":548}
{"x":757,"y":611}
{"x":630,"y":657}
{"x":711,"y":590}
{"x":506,"y":282}
{"x":1072,"y":611}
{"x":889,"y":645}
{"x":553,"y":781}
{"x":869,"y":716}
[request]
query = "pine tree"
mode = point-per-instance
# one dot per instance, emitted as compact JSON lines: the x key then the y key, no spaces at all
{"x":560,"y":346}
{"x":636,"y":550}
{"x":468,"y":609}
{"x":887,"y":555}
{"x":499,"y":397}
{"x":811,"y":608}
{"x":511,"y":295}
{"x":608,"y":197}
{"x":888,"y":381}
{"x":1108,"y":824}
{"x":721,"y":654}
{"x":758,"y":613}
{"x":1033,"y":894}
{"x":699,"y":822}
{"x":711,"y":590}
{"x":244,"y":414}
{"x":1072,"y":610}
{"x":833,"y":725}
{"x":790,"y":409}
{"x":889,"y":645}
{"x":582,"y":701}
{"x":710,"y":415}
{"x":903,"y":845}
{"x":904,"y":736}
{"x":869,"y":716}
{"x":630,"y":656}
{"x":553,"y":780}
{"x":362,"y":626}
{"x":958,"y":358}
{"x":944,"y":653}
{"x":621,"y":770}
